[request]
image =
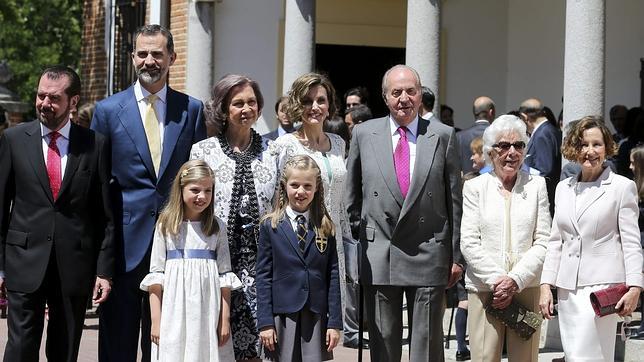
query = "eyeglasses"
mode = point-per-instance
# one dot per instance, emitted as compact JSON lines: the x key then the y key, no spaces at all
{"x":505,"y":146}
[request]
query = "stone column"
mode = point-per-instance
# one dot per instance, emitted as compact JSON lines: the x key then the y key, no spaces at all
{"x":299,"y":40}
{"x":423,"y":43}
{"x":200,"y":49}
{"x":584,"y":59}
{"x":583,"y":85}
{"x":159,"y":12}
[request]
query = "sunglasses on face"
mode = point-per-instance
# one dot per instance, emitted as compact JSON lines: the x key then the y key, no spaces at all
{"x":505,"y":146}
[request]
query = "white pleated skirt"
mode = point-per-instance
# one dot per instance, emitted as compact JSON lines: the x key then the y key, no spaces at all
{"x":584,"y":336}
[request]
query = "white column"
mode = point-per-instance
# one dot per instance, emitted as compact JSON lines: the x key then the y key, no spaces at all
{"x":423,"y":42}
{"x":299,"y":40}
{"x":200,"y":49}
{"x":159,"y":12}
{"x":584,"y":59}
{"x":583,"y":85}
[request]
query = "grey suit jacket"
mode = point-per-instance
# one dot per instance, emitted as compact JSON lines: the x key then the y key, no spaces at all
{"x":411,"y":241}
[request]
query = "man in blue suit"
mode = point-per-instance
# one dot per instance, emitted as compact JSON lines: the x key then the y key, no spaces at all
{"x":151,"y":129}
{"x":543,"y":154}
{"x":484,"y":112}
{"x":285,"y":125}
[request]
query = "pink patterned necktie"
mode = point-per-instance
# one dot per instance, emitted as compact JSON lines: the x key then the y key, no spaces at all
{"x":53,"y":164}
{"x":401,"y":161}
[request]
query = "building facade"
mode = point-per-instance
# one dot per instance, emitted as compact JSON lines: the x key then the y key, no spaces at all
{"x":509,"y":50}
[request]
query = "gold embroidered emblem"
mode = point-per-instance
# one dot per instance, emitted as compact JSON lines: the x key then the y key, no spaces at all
{"x":321,"y":243}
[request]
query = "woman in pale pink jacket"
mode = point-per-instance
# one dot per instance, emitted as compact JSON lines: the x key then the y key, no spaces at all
{"x":594,"y":244}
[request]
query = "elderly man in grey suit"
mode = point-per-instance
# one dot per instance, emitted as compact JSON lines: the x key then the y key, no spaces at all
{"x":404,"y":205}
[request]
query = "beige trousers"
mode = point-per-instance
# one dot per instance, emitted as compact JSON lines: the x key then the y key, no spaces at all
{"x":488,"y":333}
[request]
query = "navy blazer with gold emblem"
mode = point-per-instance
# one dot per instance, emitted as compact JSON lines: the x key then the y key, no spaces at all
{"x":289,"y":280}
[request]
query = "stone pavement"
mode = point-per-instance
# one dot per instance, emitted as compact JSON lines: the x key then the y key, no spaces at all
{"x":89,"y":345}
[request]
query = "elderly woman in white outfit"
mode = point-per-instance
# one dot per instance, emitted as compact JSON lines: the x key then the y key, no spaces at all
{"x":504,"y":231}
{"x":594,"y":244}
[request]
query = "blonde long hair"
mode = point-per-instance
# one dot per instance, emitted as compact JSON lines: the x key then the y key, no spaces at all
{"x":637,"y":154}
{"x":318,"y":214}
{"x":172,"y":214}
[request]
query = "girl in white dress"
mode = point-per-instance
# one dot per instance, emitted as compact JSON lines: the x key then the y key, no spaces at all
{"x":190,"y":275}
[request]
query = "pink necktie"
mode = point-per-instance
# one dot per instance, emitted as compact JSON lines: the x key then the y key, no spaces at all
{"x":401,"y":161}
{"x":53,"y":164}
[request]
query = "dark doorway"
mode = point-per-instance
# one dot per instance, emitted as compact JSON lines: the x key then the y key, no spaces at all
{"x":352,"y":66}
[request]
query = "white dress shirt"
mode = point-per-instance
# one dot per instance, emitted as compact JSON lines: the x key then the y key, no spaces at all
{"x":430,"y":117}
{"x":62,"y":143}
{"x":412,"y":132}
{"x":292,"y":214}
{"x":159,"y":106}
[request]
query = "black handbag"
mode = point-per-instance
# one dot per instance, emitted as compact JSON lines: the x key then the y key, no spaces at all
{"x":517,"y":317}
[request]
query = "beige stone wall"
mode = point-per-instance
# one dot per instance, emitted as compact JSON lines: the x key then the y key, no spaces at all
{"x":380,"y":23}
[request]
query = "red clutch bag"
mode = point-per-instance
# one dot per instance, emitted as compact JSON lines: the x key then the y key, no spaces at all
{"x":604,"y":300}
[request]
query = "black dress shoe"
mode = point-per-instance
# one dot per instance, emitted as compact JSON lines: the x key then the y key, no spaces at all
{"x":638,"y":335}
{"x":354,"y":344}
{"x":463,"y":356}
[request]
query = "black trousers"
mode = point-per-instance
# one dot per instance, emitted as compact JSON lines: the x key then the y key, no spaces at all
{"x":26,"y":319}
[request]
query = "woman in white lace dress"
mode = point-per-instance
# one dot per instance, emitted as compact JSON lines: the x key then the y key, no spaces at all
{"x":312,"y":101}
{"x":245,"y":178}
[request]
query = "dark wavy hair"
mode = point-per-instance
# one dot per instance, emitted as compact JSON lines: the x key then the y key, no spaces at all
{"x":572,"y":143}
{"x":216,"y":108}
{"x":300,"y":88}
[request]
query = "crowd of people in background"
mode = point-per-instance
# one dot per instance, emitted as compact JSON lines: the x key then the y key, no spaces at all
{"x":202,"y":240}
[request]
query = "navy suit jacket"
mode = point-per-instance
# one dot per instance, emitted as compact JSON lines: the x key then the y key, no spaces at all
{"x":465,"y":137}
{"x":138,"y":194}
{"x":272,"y":135}
{"x":288,"y":279}
{"x":544,"y":154}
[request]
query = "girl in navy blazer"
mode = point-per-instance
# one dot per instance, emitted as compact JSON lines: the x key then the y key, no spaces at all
{"x":299,"y":311}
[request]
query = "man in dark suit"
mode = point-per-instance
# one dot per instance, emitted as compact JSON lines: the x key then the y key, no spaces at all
{"x":404,"y":204}
{"x":151,"y":129}
{"x":285,"y":125}
{"x":484,"y":113}
{"x":427,"y":100}
{"x":55,"y":223}
{"x":543,"y":154}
